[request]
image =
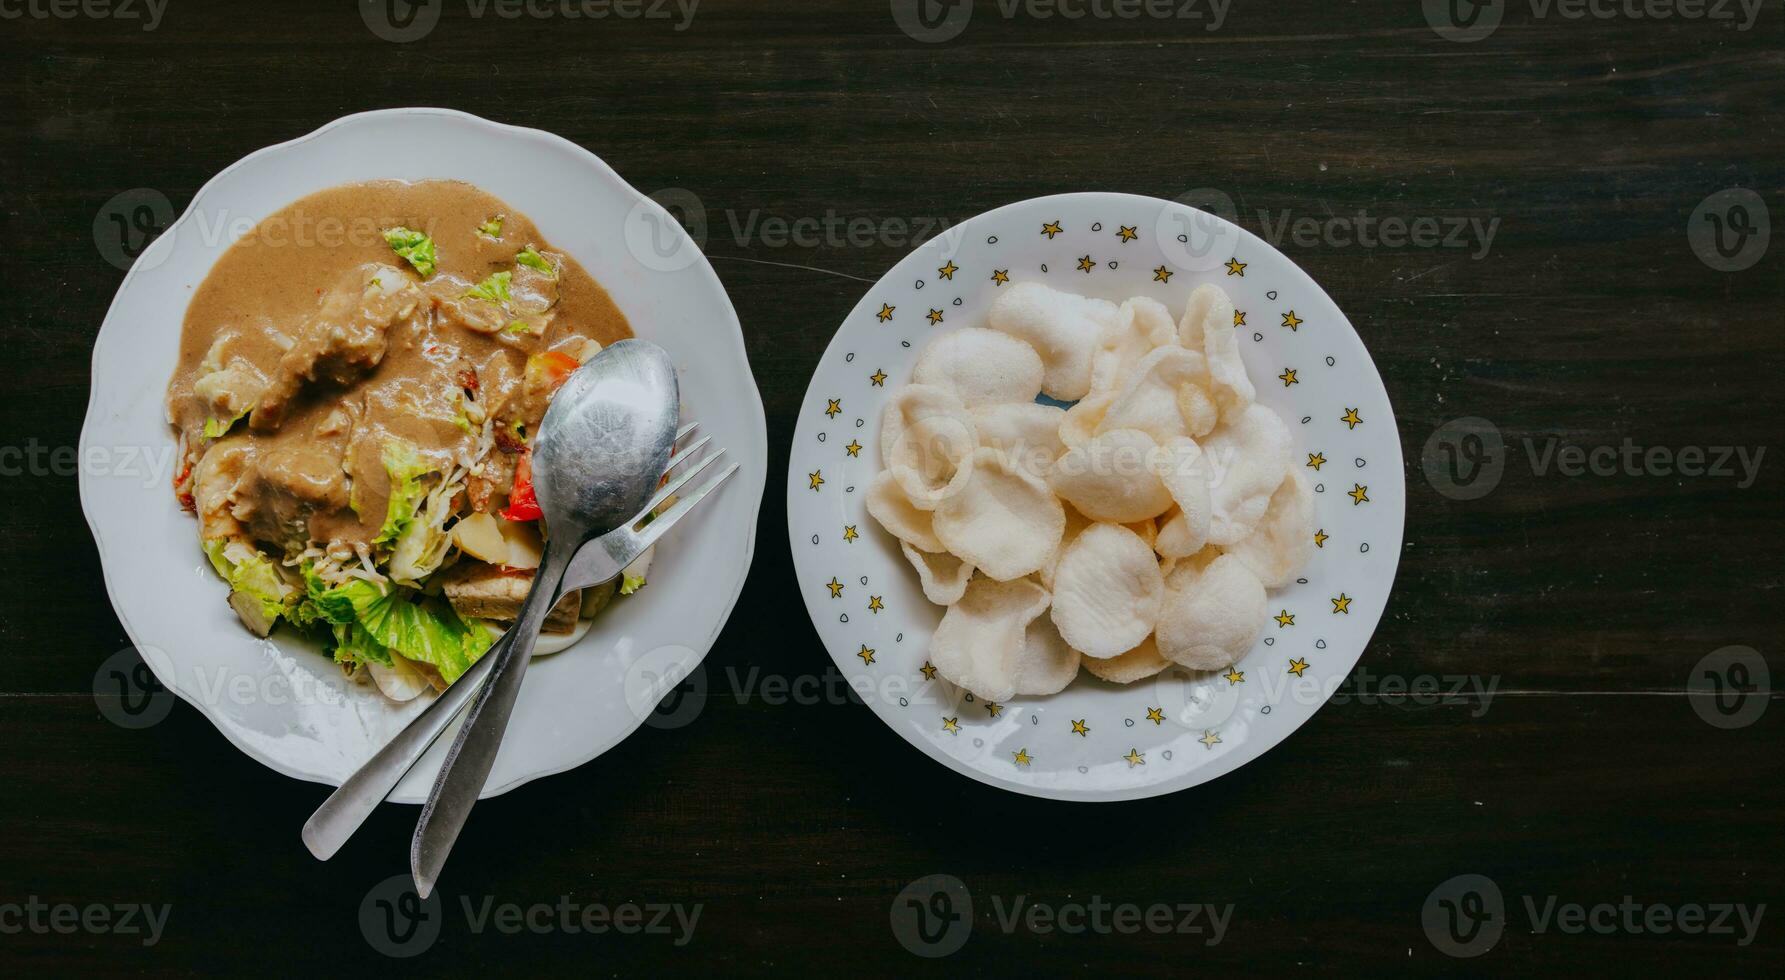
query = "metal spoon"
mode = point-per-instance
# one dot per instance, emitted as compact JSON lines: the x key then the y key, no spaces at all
{"x":597,"y":459}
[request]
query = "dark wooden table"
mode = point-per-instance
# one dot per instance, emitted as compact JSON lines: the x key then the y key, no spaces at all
{"x":1587,"y":146}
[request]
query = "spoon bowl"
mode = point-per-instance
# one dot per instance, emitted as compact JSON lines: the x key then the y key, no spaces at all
{"x":606,"y":440}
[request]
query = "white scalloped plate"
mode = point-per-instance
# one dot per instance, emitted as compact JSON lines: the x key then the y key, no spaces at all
{"x":280,"y":701}
{"x":1095,"y":740}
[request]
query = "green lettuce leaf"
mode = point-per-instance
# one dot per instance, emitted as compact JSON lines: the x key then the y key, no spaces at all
{"x":494,"y":289}
{"x":406,"y":466}
{"x":254,"y":577}
{"x":492,"y":228}
{"x":531,"y":257}
{"x":218,"y":428}
{"x":370,"y":620}
{"x":414,"y":246}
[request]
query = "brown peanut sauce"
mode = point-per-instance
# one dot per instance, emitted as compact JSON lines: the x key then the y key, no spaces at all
{"x":333,"y":361}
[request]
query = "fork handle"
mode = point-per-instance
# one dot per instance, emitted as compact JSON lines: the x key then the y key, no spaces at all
{"x":347,"y":807}
{"x":473,"y":753}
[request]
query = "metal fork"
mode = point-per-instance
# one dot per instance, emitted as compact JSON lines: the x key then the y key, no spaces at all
{"x":596,"y":562}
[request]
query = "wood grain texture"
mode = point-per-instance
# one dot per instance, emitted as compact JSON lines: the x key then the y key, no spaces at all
{"x":1587,"y":319}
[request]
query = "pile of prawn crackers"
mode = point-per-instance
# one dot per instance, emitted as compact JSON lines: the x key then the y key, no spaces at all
{"x":1136,"y":529}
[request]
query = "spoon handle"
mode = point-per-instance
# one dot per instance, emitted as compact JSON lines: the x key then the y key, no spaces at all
{"x":347,"y":807}
{"x":473,"y":753}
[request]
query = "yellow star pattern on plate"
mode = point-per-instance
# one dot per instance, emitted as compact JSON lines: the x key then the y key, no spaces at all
{"x":1000,"y":276}
{"x":867,"y":654}
{"x":1234,"y":675}
{"x":854,"y":448}
{"x":1291,"y":321}
{"x":1080,"y":728}
{"x":1359,"y":494}
{"x":1022,"y":756}
{"x":886,"y":312}
{"x":1320,"y":537}
{"x":1162,"y":274}
{"x":1051,"y":229}
{"x":1351,"y":418}
{"x":849,"y":532}
{"x":836,"y":587}
{"x":1284,"y":618}
{"x":1297,"y":665}
{"x":1316,"y":460}
{"x":815,"y":479}
{"x":1288,"y":377}
{"x":1236,"y":268}
{"x":1156,"y":715}
{"x":1128,"y":233}
{"x":874,"y":604}
{"x":1342,"y":604}
{"x":1086,"y":264}
{"x":878,"y":378}
{"x":934,"y":316}
{"x":1135,"y":758}
{"x":992,"y":708}
{"x":928,"y":671}
{"x":834,"y":408}
{"x":948,"y":271}
{"x":1209,"y":740}
{"x":952,"y":724}
{"x":1239,"y":318}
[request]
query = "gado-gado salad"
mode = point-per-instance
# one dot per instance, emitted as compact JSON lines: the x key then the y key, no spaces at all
{"x":360,"y":377}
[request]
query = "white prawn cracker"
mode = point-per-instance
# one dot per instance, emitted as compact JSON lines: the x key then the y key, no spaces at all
{"x":1065,"y":329}
{"x":942,"y":576}
{"x":982,"y":367}
{"x":1283,"y":543}
{"x":889,"y":504}
{"x":1211,"y":617}
{"x":1002,"y":519}
{"x":1112,"y":477}
{"x":1107,"y":591}
{"x":1208,"y":326}
{"x":1046,"y":663}
{"x":1138,"y":664}
{"x":1247,"y":458}
{"x":980,"y":639}
{"x":1153,"y":397}
{"x":1183,"y":468}
{"x":925,"y":432}
{"x":1027,"y":432}
{"x":1142,"y":324}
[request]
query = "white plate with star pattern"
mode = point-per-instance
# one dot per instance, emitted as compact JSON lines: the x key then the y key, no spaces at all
{"x":1098,"y":741}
